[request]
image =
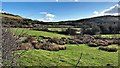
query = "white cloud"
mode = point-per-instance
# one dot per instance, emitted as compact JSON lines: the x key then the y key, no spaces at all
{"x":1,"y":11}
{"x":48,"y":17}
{"x":113,"y":10}
{"x":45,"y":19}
{"x":95,"y":12}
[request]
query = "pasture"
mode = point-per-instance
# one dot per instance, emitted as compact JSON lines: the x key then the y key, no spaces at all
{"x":91,"y":57}
{"x":35,"y":33}
{"x":109,"y":35}
{"x":69,"y":57}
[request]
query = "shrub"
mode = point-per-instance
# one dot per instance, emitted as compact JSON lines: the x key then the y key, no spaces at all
{"x":46,"y":37}
{"x":25,"y":46}
{"x":112,"y":49}
{"x":101,"y":43}
{"x":102,"y":48}
{"x":72,"y":42}
{"x":70,"y":31}
{"x":108,"y":49}
{"x":92,"y":44}
{"x":62,"y":47}
{"x":37,"y":46}
{"x":79,"y":41}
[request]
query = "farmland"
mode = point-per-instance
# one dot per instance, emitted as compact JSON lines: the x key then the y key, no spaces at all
{"x":110,"y":35}
{"x":44,"y":33}
{"x":69,"y":57}
{"x":36,"y":33}
{"x":45,"y":44}
{"x":91,"y":57}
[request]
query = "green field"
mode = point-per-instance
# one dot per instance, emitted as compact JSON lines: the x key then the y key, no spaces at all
{"x":110,"y":35}
{"x":56,"y":29}
{"x":60,"y":29}
{"x":19,"y":31}
{"x":91,"y":57}
{"x":69,"y":57}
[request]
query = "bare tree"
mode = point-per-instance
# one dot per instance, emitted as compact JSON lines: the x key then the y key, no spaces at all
{"x":0,"y":41}
{"x":10,"y":44}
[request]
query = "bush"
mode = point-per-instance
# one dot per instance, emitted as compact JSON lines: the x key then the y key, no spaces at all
{"x":25,"y":46}
{"x":108,"y":49}
{"x":72,"y":42}
{"x":112,"y":49}
{"x":70,"y":31}
{"x":37,"y":46}
{"x":92,"y":44}
{"x":51,"y":47}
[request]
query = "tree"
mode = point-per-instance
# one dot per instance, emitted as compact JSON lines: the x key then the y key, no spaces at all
{"x":70,"y":31}
{"x":92,"y":31}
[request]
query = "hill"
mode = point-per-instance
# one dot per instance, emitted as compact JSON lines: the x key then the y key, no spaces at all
{"x":99,"y":19}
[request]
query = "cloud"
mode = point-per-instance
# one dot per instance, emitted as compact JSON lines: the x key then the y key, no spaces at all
{"x":96,"y":12}
{"x":47,"y":17}
{"x":50,"y":15}
{"x":113,"y":10}
{"x":1,"y":11}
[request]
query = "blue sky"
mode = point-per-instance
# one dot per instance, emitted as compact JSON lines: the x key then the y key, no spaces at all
{"x":59,"y":0}
{"x":56,"y":11}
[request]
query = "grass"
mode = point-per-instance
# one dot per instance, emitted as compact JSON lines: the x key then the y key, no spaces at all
{"x":8,"y":16}
{"x":56,"y":29}
{"x":110,"y":35}
{"x":37,"y":33}
{"x":60,"y":29}
{"x":91,"y":57}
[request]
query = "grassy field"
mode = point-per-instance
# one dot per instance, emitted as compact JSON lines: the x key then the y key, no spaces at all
{"x":37,"y":33}
{"x":60,"y":29}
{"x":91,"y":57}
{"x":69,"y":57}
{"x":56,"y":29}
{"x":110,"y":35}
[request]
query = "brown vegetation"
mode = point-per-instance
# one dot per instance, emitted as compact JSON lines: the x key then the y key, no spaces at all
{"x":108,"y":49}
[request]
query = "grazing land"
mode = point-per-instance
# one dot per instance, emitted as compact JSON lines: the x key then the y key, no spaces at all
{"x":69,"y":57}
{"x":91,"y":57}
{"x":36,"y":33}
{"x":110,"y":35}
{"x":45,"y":44}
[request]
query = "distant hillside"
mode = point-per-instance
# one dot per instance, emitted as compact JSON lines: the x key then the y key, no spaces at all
{"x":100,"y":19}
{"x":102,"y":24}
{"x":8,"y":18}
{"x":11,"y":16}
{"x":17,"y":21}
